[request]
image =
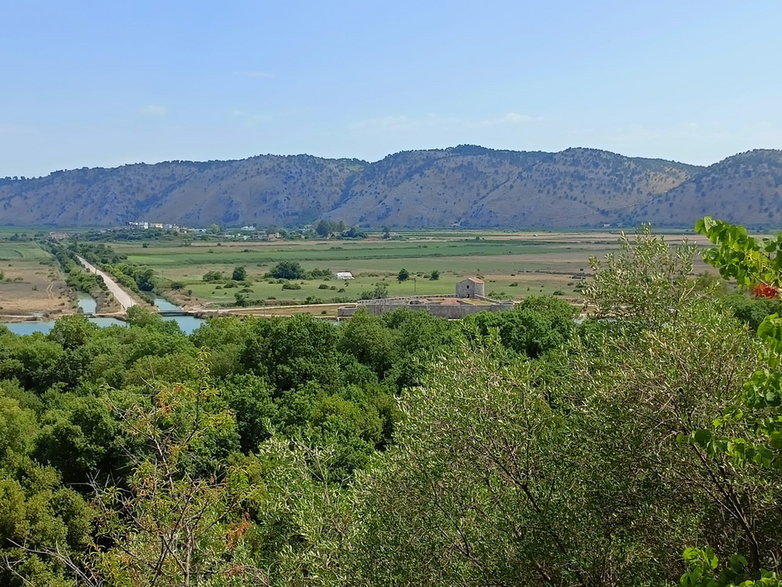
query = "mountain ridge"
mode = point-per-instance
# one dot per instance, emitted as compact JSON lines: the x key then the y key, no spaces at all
{"x":467,"y":185}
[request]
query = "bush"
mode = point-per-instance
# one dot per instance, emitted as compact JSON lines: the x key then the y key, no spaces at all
{"x":291,"y":286}
{"x":319,"y":274}
{"x":380,"y":292}
{"x":241,"y":299}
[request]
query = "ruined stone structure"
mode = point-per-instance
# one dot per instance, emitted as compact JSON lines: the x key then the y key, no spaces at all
{"x":469,"y":299}
{"x":472,"y":287}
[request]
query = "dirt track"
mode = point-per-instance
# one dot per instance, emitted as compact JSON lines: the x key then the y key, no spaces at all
{"x":122,"y":297}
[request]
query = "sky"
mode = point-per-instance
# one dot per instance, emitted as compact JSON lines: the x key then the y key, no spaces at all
{"x":90,"y":83}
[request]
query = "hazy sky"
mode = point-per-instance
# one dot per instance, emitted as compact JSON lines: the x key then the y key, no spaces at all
{"x":102,"y":83}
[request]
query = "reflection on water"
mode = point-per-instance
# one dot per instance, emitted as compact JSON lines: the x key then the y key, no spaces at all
{"x":86,"y":302}
{"x":187,"y":324}
{"x":166,"y":306}
{"x":46,"y":327}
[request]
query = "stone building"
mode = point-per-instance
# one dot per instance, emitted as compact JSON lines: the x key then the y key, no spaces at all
{"x":469,"y":299}
{"x":472,"y":287}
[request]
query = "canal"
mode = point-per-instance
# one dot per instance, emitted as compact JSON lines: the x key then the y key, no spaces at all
{"x":187,"y":324}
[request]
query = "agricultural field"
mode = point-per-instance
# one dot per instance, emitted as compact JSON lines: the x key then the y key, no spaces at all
{"x":30,"y":282}
{"x":513,"y":265}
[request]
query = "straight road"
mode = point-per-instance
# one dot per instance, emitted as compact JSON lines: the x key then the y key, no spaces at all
{"x":120,"y":294}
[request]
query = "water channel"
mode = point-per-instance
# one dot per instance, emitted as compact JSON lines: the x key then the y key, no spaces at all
{"x":187,"y":324}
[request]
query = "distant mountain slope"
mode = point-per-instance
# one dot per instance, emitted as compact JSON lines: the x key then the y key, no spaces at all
{"x":267,"y":189}
{"x":745,"y":188}
{"x":467,"y":186}
{"x":473,"y":186}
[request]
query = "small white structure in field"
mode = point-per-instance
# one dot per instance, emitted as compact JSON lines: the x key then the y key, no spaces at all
{"x":343,"y":275}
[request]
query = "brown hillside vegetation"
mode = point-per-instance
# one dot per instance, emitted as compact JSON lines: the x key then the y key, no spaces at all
{"x":468,"y":186}
{"x":745,"y":188}
{"x":476,"y":187}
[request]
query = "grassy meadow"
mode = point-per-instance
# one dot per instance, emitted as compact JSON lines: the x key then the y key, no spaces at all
{"x":513,"y":265}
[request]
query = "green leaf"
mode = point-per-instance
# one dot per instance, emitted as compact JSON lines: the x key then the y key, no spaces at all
{"x":702,"y":437}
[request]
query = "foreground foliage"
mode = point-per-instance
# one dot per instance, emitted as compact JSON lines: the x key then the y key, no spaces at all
{"x":639,"y":447}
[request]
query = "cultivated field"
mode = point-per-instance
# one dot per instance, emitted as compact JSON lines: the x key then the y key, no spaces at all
{"x":513,"y":265}
{"x":31,"y":282}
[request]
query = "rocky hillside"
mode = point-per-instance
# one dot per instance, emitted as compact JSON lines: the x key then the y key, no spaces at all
{"x":467,"y":186}
{"x":262,"y":190}
{"x":745,"y":188}
{"x":477,"y":187}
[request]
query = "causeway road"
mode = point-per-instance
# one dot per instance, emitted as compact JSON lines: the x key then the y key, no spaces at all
{"x":122,"y":297}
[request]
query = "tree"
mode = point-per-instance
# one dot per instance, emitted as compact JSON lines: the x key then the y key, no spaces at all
{"x":403,"y":275}
{"x":173,"y":524}
{"x":241,"y":298}
{"x":453,"y":502}
{"x":353,"y":232}
{"x":44,"y":526}
{"x":72,"y":331}
{"x":79,"y":437}
{"x":224,"y":338}
{"x":251,"y":399}
{"x":380,"y":292}
{"x":573,"y":468}
{"x":143,"y":317}
{"x":293,"y":351}
{"x":287,"y":270}
{"x":33,"y":360}
{"x":435,"y":275}
{"x":323,"y":228}
{"x":368,"y":339}
{"x":537,"y":325}
{"x":646,"y":280}
{"x":239,"y":273}
{"x":747,"y":437}
{"x":17,"y":426}
{"x":145,"y":279}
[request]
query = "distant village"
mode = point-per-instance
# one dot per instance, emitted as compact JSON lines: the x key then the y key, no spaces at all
{"x":245,"y":232}
{"x":159,"y":228}
{"x":135,"y":230}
